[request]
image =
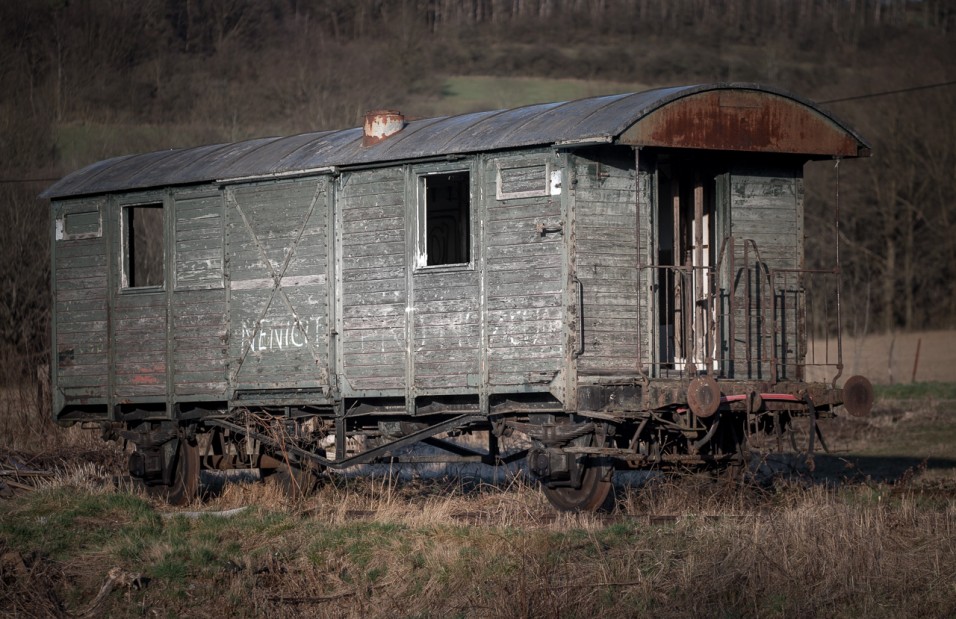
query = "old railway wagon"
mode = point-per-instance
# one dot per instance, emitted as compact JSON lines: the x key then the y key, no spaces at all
{"x":619,"y":279}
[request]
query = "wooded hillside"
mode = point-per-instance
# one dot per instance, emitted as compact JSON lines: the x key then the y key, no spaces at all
{"x":82,"y":80}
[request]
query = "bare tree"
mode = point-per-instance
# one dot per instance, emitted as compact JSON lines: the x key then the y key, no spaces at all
{"x":24,"y":283}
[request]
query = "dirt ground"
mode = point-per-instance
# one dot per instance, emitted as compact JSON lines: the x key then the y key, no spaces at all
{"x":927,"y":356}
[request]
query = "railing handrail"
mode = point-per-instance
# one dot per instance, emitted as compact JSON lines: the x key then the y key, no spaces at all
{"x":717,"y":286}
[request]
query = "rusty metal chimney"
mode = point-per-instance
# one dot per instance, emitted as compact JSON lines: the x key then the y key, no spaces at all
{"x":380,"y":124}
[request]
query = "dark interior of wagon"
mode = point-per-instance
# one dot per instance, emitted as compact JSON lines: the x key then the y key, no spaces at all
{"x":447,"y":219}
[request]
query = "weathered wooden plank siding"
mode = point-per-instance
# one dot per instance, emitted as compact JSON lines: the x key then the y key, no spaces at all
{"x":199,"y":343}
{"x":199,"y":329}
{"x":446,"y":330}
{"x":766,"y":211}
{"x":139,"y":337}
{"x":199,"y":242}
{"x":374,"y":351}
{"x":278,"y":336}
{"x":607,"y":259}
{"x":138,"y":316}
{"x":81,"y":351}
{"x":524,"y":284}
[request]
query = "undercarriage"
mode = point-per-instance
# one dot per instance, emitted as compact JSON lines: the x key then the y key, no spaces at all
{"x":660,"y":425}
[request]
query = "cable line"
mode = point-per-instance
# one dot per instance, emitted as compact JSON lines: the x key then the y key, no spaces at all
{"x":6,"y":181}
{"x":890,"y":92}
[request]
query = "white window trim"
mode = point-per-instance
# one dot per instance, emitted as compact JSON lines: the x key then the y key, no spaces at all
{"x":420,"y":263}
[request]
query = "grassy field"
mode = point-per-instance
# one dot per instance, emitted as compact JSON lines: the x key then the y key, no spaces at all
{"x":895,"y":358}
{"x":364,"y":550}
{"x":81,"y":144}
{"x":475,"y":93}
{"x":871,"y":532}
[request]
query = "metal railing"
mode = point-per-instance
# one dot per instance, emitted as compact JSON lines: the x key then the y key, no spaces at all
{"x":743,"y":319}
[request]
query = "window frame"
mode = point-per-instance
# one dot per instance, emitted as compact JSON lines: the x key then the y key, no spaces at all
{"x":124,"y":243}
{"x":72,"y":210}
{"x":419,"y":176}
{"x":514,"y":163}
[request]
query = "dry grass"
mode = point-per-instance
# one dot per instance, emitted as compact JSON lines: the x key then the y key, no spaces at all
{"x":35,"y":452}
{"x":426,"y":544}
{"x":371,"y":547}
{"x":891,"y":358}
{"x":26,"y":425}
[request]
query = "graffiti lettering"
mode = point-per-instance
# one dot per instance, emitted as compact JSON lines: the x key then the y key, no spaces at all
{"x":274,"y":336}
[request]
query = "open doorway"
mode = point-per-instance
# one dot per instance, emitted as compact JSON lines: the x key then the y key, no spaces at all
{"x":686,"y":233}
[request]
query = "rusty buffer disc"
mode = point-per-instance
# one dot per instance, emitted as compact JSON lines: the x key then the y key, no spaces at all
{"x":703,"y":396}
{"x":858,"y":396}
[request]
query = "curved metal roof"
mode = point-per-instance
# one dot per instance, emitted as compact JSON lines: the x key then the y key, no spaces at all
{"x":598,"y":119}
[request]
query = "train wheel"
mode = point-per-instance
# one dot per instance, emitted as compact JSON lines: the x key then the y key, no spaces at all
{"x":185,"y":484}
{"x":594,"y":495}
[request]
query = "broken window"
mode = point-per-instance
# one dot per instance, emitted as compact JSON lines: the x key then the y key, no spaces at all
{"x":445,"y":233}
{"x":143,"y":264}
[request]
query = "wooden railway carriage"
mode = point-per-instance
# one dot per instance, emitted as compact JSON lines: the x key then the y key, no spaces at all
{"x":621,"y":279}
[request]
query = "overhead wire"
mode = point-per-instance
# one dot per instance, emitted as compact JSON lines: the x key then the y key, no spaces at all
{"x":886,"y":93}
{"x":5,"y":181}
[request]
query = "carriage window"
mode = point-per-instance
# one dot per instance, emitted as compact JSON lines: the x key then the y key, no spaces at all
{"x":143,"y":264}
{"x":445,"y":228}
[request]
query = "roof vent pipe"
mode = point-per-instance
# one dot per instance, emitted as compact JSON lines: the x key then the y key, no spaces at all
{"x":380,"y":124}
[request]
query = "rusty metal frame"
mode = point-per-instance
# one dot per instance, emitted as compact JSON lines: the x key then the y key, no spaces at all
{"x":366,"y":457}
{"x":762,"y":307}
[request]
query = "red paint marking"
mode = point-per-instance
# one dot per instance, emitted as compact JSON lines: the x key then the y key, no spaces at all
{"x":779,"y":397}
{"x":732,"y":398}
{"x":786,"y":397}
{"x":145,"y":379}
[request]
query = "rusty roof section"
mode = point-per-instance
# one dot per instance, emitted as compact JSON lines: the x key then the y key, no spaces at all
{"x":743,"y":117}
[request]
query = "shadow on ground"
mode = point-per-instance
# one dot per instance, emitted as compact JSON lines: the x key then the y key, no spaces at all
{"x":888,"y":469}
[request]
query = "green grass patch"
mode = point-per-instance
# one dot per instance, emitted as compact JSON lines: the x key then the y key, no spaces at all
{"x":171,"y":568}
{"x":472,"y":93}
{"x":79,"y":144}
{"x":63,"y":521}
{"x":916,"y":391}
{"x":358,"y":543}
{"x":257,"y":561}
{"x":915,"y":440}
